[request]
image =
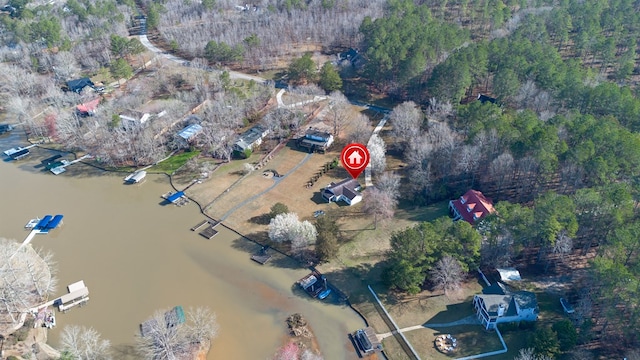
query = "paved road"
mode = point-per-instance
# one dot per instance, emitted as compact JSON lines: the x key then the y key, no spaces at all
{"x":232,"y":74}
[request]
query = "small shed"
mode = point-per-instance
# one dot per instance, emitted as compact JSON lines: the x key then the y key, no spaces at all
{"x":509,"y":274}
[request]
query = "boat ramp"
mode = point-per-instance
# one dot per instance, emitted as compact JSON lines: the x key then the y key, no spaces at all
{"x":136,"y":177}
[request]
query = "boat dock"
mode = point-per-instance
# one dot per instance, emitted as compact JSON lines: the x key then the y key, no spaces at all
{"x":16,"y":150}
{"x":199,"y":225}
{"x":48,"y":223}
{"x":209,"y":231}
{"x":365,"y":341}
{"x":135,"y":177}
{"x":58,"y":168}
{"x":176,"y":198}
{"x":315,"y":284}
{"x":262,"y":257}
{"x":78,"y":295}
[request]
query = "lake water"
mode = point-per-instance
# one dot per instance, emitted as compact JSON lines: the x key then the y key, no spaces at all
{"x":137,"y":256}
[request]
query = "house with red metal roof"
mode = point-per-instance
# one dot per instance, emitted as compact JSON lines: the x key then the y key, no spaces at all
{"x":88,"y":108}
{"x":471,"y":207}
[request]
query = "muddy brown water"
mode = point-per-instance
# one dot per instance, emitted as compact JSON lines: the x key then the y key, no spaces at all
{"x":136,"y":256}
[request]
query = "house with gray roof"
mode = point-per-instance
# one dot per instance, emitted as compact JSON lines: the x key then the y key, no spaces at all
{"x":346,"y":190}
{"x":250,"y":139}
{"x":498,"y":305}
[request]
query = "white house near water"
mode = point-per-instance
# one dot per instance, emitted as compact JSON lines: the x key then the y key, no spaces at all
{"x":498,"y":305}
{"x":346,"y":190}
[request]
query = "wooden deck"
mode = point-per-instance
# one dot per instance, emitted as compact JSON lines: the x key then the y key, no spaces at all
{"x":199,"y":225}
{"x":262,"y":256}
{"x":209,"y":231}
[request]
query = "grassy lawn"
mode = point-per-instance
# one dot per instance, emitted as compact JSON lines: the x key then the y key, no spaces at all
{"x":471,"y":340}
{"x":173,"y":163}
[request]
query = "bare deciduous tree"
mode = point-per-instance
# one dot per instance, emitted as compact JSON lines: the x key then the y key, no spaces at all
{"x":26,"y":279}
{"x":406,"y":120}
{"x":83,"y":343}
{"x":360,"y":129}
{"x":389,"y":182}
{"x":380,"y":204}
{"x":162,"y":342}
{"x":377,"y":152}
{"x":447,"y":274}
{"x":529,"y":354}
{"x":339,"y":111}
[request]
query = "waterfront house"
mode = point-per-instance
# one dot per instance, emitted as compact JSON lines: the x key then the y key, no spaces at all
{"x":346,"y":190}
{"x":250,"y":139}
{"x":315,"y":140}
{"x":498,"y":305}
{"x":471,"y":207}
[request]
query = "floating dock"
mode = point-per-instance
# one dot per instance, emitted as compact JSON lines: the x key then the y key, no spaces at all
{"x":135,"y":177}
{"x":366,"y":341}
{"x":47,"y":223}
{"x":11,"y":152}
{"x":58,"y":168}
{"x":209,"y":231}
{"x":50,"y":160}
{"x":177,"y":198}
{"x":199,"y":225}
{"x":19,"y":154}
{"x":78,"y":295}
{"x":315,"y":284}
{"x":262,"y":257}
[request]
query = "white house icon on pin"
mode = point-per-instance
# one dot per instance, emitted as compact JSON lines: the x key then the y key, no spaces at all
{"x":355,"y":158}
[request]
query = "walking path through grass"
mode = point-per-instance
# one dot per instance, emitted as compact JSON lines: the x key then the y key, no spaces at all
{"x":469,"y":320}
{"x":277,"y":181}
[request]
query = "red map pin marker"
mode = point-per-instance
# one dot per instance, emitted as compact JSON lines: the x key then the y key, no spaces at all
{"x":355,"y":157}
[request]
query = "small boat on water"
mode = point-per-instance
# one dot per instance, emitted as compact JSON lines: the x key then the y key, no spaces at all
{"x":32,"y":223}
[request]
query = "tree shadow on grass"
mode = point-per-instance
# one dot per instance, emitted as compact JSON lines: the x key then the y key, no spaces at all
{"x":353,"y":281}
{"x":454,"y":312}
{"x":263,"y":219}
{"x":252,"y":246}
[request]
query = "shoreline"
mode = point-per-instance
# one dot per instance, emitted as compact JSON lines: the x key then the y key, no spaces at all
{"x":299,"y":264}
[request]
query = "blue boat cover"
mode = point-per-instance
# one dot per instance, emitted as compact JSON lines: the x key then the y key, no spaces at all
{"x":43,"y":223}
{"x":54,"y":222}
{"x":176,"y":196}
